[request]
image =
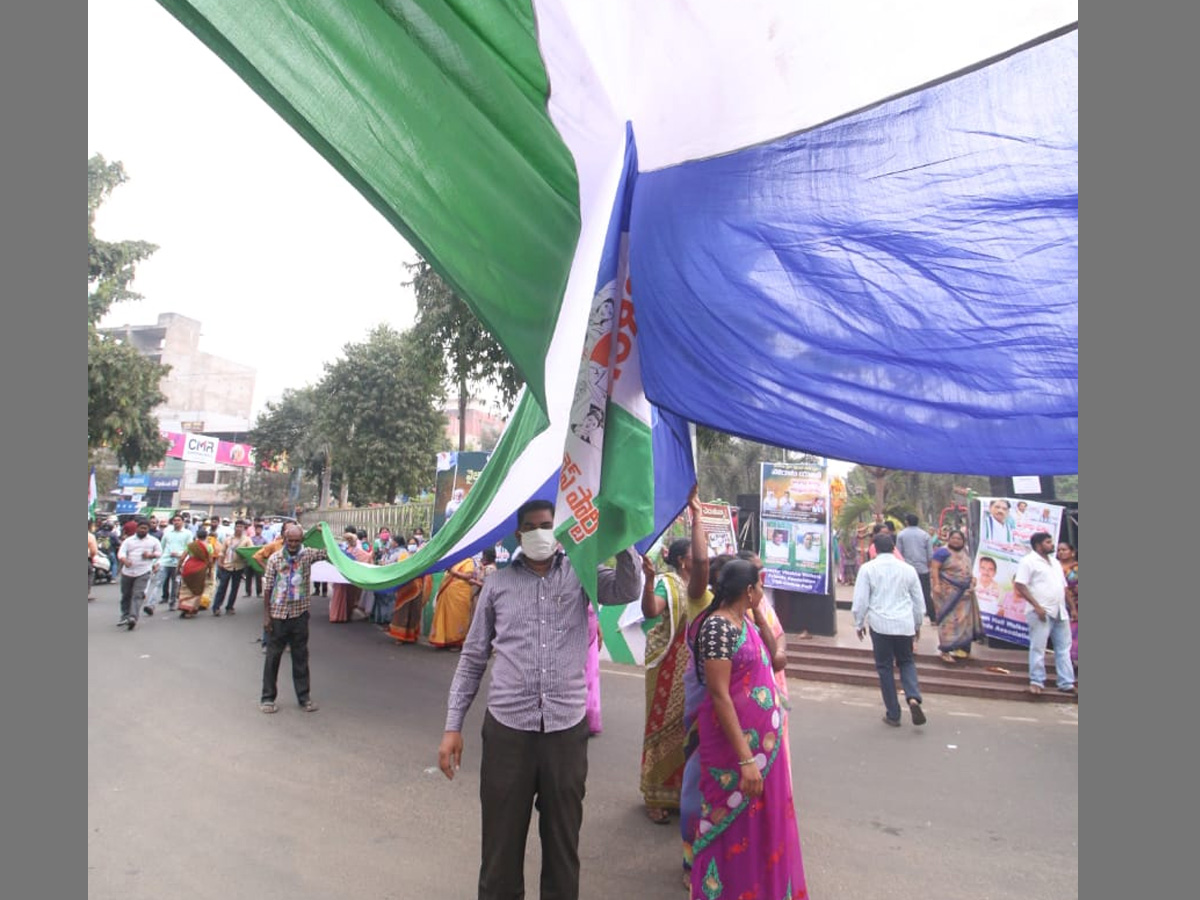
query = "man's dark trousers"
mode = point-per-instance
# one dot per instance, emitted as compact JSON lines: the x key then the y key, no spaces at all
{"x":895,"y":649}
{"x":517,"y":766}
{"x":927,"y":590}
{"x":228,"y":581}
{"x":283,"y":632}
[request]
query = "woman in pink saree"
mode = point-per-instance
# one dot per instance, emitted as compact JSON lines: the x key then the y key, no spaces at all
{"x":747,"y":841}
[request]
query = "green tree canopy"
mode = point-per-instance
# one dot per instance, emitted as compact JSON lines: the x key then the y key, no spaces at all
{"x":472,"y":356}
{"x":380,"y":403}
{"x":123,"y":385}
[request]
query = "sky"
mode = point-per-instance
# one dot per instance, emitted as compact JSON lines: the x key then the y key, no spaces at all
{"x":260,"y":239}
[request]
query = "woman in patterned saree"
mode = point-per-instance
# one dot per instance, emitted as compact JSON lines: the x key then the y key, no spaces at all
{"x":675,"y":598}
{"x":747,"y":841}
{"x":953,"y":590}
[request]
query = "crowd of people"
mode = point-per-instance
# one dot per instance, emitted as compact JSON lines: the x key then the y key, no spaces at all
{"x":714,"y":747}
{"x":186,"y":566}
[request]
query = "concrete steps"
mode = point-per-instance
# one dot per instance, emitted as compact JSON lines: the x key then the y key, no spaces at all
{"x":818,"y":660}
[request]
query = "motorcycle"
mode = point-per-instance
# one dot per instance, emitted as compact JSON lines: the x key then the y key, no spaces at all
{"x":101,"y":570}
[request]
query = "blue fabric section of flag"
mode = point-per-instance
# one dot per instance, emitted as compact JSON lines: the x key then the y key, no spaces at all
{"x":674,"y":471}
{"x":898,"y":287}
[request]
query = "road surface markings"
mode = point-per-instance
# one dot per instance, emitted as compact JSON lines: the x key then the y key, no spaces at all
{"x":1019,"y":719}
{"x":857,"y":703}
{"x":966,"y":715}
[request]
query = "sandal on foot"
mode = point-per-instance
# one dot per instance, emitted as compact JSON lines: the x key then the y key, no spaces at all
{"x":1035,"y":689}
{"x":268,"y":708}
{"x":947,"y":658}
{"x":658,"y":816}
{"x":918,"y":714}
{"x":309,"y":706}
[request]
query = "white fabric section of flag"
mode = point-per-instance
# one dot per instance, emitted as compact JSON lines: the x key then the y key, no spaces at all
{"x":707,"y":76}
{"x":92,"y":494}
{"x":626,"y":367}
{"x":582,"y":457}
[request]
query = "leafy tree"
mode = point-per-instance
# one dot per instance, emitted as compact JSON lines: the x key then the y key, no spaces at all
{"x":380,"y":406}
{"x":123,"y":385}
{"x":291,"y":430}
{"x":727,"y":466}
{"x":472,"y":356}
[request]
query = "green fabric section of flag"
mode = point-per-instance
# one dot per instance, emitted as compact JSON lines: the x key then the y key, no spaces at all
{"x":625,"y":501}
{"x":618,"y":650}
{"x":527,"y":421}
{"x":436,"y":112}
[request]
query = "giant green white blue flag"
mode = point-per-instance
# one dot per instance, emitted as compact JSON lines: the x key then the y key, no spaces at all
{"x":845,"y":228}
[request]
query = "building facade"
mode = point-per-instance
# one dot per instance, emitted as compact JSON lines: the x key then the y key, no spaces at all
{"x":206,"y":394}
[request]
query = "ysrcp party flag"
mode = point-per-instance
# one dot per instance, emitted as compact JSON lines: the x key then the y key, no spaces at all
{"x":852,"y":227}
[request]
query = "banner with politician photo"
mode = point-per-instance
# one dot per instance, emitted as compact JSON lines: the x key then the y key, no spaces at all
{"x":456,"y":474}
{"x":1005,"y":527}
{"x":720,"y":529}
{"x":794,"y":503}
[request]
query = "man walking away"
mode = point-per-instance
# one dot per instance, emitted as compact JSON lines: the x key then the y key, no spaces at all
{"x":1040,"y":579}
{"x":916,"y":549}
{"x":137,"y":555}
{"x":887,"y":599}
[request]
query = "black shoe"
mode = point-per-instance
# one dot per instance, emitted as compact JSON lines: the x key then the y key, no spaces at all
{"x":918,"y":714}
{"x":130,"y":624}
{"x":895,"y":723}
{"x":148,"y":610}
{"x":216,"y":612}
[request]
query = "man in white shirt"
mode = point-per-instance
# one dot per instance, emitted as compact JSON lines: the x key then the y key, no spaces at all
{"x":137,"y":556}
{"x":888,"y":599}
{"x":1041,"y":581}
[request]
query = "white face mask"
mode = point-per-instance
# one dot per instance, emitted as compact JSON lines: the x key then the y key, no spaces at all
{"x":412,"y":548}
{"x":539,"y":544}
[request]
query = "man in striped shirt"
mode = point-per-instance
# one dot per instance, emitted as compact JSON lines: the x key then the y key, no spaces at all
{"x":287,"y":596}
{"x":533,"y":615}
{"x":888,"y":600}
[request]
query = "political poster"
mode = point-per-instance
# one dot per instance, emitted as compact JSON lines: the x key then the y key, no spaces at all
{"x":794,"y":544}
{"x":456,"y":475}
{"x":1005,"y":527}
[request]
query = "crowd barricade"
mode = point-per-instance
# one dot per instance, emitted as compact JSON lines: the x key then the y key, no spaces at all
{"x":402,"y":518}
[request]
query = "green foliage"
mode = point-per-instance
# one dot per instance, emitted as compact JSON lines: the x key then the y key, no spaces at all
{"x":123,"y":385}
{"x":728,"y":466}
{"x":289,"y":429}
{"x":472,"y":357}
{"x":1066,"y":487}
{"x":379,"y":405}
{"x":110,"y":265}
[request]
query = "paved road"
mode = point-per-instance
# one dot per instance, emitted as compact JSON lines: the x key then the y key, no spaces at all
{"x":192,"y":793}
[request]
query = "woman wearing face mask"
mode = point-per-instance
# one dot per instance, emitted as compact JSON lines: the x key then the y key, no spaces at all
{"x":405,"y":627}
{"x":385,"y":601}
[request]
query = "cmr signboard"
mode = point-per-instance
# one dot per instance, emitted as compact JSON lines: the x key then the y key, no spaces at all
{"x":199,"y":448}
